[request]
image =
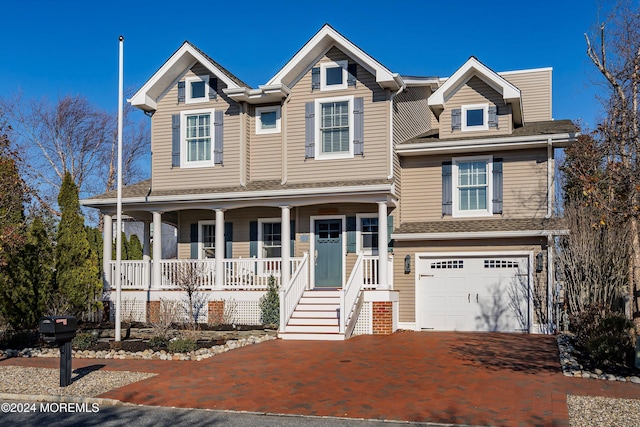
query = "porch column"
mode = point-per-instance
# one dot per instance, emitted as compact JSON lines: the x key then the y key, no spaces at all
{"x":285,"y":241}
{"x":383,"y":246}
{"x":146,"y":252}
{"x":157,"y":250}
{"x":107,"y":248}
{"x":219,"y":245}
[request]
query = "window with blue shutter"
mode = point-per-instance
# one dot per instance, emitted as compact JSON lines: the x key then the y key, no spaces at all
{"x":309,"y":126}
{"x":351,"y":234}
{"x":228,"y":240}
{"x":315,"y":78}
{"x":218,"y":137}
{"x":193,"y":238}
{"x":292,"y":225}
{"x":181,"y":92}
{"x":175,"y":140}
{"x":389,"y":231}
{"x":253,"y":239}
{"x":493,"y":117}
{"x":213,"y":88}
{"x":352,"y":70}
{"x":497,"y":186}
{"x":447,"y":189}
{"x":456,"y":119}
{"x":358,"y":126}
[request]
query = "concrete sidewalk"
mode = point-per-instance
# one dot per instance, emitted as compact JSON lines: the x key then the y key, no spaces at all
{"x":458,"y":378}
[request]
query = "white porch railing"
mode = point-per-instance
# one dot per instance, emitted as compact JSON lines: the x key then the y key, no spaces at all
{"x":240,"y":273}
{"x":290,"y":295}
{"x":350,"y":300}
{"x":370,"y":277}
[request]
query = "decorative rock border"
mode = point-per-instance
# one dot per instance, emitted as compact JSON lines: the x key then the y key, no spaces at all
{"x":572,"y":368}
{"x":200,"y":354}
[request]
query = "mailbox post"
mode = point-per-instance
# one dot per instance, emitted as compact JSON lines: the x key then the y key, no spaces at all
{"x":60,"y":330}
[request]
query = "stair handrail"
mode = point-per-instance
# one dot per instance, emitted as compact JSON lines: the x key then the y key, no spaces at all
{"x":290,"y":293}
{"x":350,"y":298}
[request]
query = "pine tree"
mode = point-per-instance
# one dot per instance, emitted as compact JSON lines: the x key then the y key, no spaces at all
{"x":77,"y":272}
{"x":135,"y":247}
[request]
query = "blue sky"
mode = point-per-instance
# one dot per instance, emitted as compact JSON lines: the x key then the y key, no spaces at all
{"x":55,"y":48}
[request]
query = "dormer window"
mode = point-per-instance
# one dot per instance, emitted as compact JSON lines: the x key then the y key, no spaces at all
{"x":333,"y":75}
{"x":197,"y":89}
{"x":475,"y":117}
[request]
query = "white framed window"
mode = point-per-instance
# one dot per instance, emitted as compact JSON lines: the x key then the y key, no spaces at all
{"x":475,"y":117}
{"x":196,"y":136}
{"x":206,"y":239}
{"x":196,"y":89}
{"x":268,"y":120}
{"x":270,"y":238}
{"x":334,"y":128}
{"x":472,"y":186}
{"x":333,"y":75}
{"x":367,"y":234}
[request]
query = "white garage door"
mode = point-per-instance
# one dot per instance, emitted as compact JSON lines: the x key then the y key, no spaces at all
{"x":474,"y":294}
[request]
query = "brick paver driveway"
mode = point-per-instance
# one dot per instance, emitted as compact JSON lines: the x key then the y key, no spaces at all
{"x":461,"y":378}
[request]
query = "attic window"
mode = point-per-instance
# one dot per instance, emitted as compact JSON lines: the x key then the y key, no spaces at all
{"x":333,"y":75}
{"x":197,"y":89}
{"x":475,"y":117}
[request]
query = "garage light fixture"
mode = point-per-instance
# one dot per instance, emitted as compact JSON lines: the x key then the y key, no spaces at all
{"x":407,"y":264}
{"x":539,"y":262}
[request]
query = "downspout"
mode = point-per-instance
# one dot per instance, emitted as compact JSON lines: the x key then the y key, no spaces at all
{"x":283,"y":120}
{"x":391,"y":139}
{"x":550,"y":179}
{"x":550,"y":284}
{"x":243,"y":144}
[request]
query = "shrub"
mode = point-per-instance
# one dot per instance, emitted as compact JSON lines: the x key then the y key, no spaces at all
{"x":270,"y":304}
{"x":182,"y":345}
{"x":157,"y":342}
{"x":83,"y":341}
{"x":606,"y":336}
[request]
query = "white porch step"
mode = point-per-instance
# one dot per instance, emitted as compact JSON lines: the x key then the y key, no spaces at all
{"x":320,"y":300}
{"x":312,"y":337}
{"x":317,"y":314}
{"x":321,"y":329}
{"x":299,"y":321}
{"x":318,"y":307}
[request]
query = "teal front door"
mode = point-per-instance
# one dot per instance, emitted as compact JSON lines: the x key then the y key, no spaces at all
{"x":328,"y":253}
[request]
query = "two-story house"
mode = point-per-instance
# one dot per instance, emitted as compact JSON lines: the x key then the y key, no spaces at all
{"x":377,"y":201}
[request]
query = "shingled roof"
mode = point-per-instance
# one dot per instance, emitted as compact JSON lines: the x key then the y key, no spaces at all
{"x":481,"y":225}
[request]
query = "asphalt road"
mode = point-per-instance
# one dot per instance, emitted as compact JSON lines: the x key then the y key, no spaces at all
{"x":56,"y":415}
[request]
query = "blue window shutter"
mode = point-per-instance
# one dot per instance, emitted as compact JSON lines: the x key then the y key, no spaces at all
{"x":175,"y":140}
{"x":456,"y":119}
{"x":493,"y":117}
{"x":389,"y":231}
{"x":228,"y":240}
{"x":315,"y":78}
{"x":213,"y":87}
{"x":352,"y":70}
{"x":447,"y":189}
{"x":181,"y":88}
{"x":193,"y":238}
{"x":218,"y":136}
{"x":351,"y":234}
{"x":293,"y":237}
{"x":497,"y":186}
{"x":310,"y":131}
{"x":253,"y":239}
{"x":358,"y":126}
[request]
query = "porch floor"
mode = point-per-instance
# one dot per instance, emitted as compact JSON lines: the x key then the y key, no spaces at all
{"x":461,"y":378}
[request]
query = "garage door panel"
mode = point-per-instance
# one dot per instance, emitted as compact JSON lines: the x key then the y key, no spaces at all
{"x":475,"y":294}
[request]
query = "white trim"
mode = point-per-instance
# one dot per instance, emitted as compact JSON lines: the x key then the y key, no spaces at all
{"x":323,"y":75}
{"x":472,"y":235}
{"x":312,"y":246}
{"x":262,"y":221}
{"x":529,"y":70}
{"x":188,"y":95}
{"x":457,"y":213}
{"x":421,"y":257}
{"x":319,"y":155}
{"x":182,"y":60}
{"x":200,"y":237}
{"x":485,"y":117}
{"x":183,"y":138}
{"x":408,"y":326}
{"x":359,"y":218}
{"x":319,"y":44}
{"x":269,"y":109}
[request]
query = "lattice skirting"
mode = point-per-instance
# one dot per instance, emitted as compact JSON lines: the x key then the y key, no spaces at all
{"x":364,"y":322}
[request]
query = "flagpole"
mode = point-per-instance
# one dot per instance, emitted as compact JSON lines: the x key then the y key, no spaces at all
{"x":118,"y":332}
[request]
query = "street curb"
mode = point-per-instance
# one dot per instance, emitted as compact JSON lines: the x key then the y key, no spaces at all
{"x":66,"y":399}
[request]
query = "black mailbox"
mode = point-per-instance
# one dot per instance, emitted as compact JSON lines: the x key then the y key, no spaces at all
{"x":60,"y":330}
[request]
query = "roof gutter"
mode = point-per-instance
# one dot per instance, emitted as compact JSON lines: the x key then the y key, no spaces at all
{"x":470,"y":235}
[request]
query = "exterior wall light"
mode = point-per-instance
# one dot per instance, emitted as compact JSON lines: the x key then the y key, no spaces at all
{"x":407,"y":264}
{"x":539,"y":262}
